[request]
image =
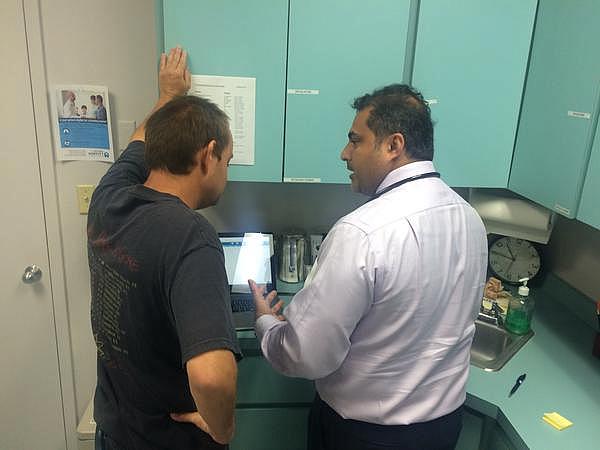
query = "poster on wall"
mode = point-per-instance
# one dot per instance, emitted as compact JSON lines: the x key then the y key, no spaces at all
{"x":235,"y":96}
{"x":82,"y":123}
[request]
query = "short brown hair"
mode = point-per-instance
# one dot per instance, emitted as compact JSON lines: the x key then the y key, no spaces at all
{"x":179,"y":129}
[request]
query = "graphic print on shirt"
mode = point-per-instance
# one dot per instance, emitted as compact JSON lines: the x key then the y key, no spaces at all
{"x":109,"y":290}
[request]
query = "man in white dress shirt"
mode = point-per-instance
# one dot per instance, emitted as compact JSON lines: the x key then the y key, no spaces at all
{"x":69,"y":108}
{"x":384,"y":324}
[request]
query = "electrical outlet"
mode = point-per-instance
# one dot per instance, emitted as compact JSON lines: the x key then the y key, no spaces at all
{"x":84,"y":196}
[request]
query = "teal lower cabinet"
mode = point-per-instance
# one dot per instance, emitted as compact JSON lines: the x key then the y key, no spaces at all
{"x":482,"y":432}
{"x":286,"y":428}
{"x":270,"y":428}
{"x":470,"y":435}
{"x":272,"y":410}
{"x":259,"y":384}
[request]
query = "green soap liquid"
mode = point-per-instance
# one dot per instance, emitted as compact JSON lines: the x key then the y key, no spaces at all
{"x":517,"y":321}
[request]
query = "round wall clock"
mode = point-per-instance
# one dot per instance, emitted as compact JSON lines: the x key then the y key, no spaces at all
{"x":512,"y":259}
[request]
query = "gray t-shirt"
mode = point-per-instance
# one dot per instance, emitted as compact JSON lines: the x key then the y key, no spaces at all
{"x":159,"y":297}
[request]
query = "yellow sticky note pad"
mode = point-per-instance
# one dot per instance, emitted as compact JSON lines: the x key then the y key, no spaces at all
{"x":557,"y":421}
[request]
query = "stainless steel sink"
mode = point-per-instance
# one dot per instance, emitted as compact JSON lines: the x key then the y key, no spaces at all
{"x":493,"y":346}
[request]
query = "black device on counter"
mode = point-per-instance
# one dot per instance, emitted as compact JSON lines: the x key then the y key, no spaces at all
{"x":247,"y":256}
{"x":518,"y":383}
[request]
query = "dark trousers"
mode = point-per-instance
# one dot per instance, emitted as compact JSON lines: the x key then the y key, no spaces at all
{"x":327,"y":430}
{"x":104,"y":442}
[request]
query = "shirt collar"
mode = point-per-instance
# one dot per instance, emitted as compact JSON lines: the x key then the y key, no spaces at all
{"x":404,"y":172}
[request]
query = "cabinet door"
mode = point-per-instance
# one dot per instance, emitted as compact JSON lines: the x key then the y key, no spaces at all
{"x":270,"y":429}
{"x":589,"y":209}
{"x":240,"y":39}
{"x":259,"y":383}
{"x":555,"y":131}
{"x":470,"y":63}
{"x":33,"y":415}
{"x":338,"y":50}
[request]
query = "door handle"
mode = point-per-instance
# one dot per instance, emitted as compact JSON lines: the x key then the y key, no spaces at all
{"x":32,"y":274}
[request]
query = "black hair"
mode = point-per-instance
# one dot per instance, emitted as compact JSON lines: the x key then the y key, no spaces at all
{"x":398,"y":108}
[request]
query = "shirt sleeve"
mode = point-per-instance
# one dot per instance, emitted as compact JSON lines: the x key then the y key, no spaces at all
{"x":201,"y":305}
{"x":129,"y":169}
{"x":101,"y":114}
{"x":314,"y":339}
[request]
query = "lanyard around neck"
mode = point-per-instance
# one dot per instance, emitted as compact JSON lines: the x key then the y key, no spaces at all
{"x":406,"y":180}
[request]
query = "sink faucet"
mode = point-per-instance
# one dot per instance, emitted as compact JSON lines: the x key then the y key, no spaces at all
{"x":492,"y":315}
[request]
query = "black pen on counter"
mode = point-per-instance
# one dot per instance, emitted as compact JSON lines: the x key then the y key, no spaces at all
{"x":596,"y":347}
{"x":518,"y":383}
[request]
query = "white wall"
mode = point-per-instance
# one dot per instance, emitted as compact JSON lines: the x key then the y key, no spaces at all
{"x":110,"y":43}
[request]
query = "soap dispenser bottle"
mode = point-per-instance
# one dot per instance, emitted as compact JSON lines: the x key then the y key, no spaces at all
{"x":520,"y":311}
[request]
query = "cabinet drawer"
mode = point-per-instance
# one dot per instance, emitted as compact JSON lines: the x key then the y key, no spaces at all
{"x":260,"y":384}
{"x":270,"y":429}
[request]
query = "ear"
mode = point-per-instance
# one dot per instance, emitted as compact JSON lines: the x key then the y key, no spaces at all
{"x":206,"y":156}
{"x":396,"y":145}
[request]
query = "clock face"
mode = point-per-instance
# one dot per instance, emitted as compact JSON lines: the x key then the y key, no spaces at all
{"x":512,"y":259}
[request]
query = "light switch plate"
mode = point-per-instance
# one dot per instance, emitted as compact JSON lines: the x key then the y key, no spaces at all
{"x":84,"y":195}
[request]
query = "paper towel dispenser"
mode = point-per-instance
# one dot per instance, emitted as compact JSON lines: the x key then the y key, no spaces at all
{"x":507,"y":214}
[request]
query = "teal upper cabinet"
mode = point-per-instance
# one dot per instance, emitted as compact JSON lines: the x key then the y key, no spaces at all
{"x":589,"y":208}
{"x":559,"y":106}
{"x":239,"y":39}
{"x":470,"y":63}
{"x":338,"y":50}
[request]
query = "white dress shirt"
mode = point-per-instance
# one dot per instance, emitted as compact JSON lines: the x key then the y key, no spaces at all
{"x":386,"y":322}
{"x":69,"y":109}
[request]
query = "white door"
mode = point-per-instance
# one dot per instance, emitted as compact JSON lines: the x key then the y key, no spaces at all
{"x":31,"y":414}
